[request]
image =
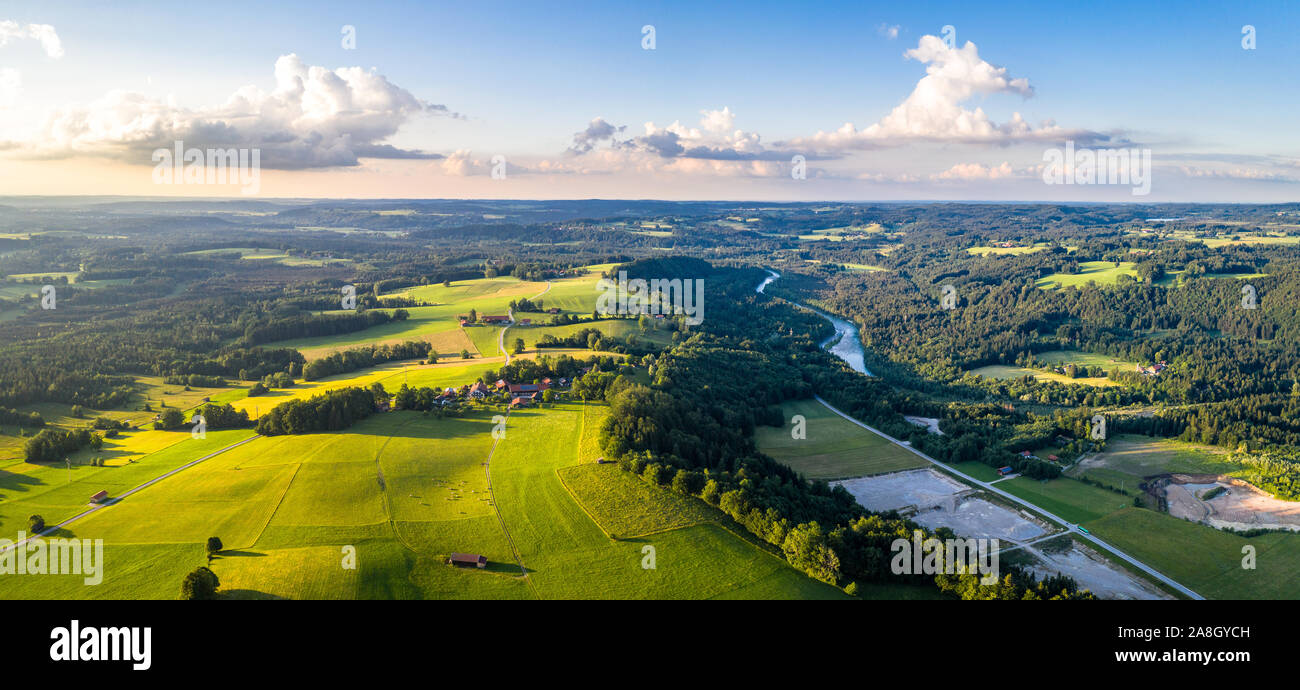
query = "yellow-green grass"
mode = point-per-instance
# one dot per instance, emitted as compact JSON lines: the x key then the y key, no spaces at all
{"x":1069,"y":498}
{"x":977,"y":470}
{"x":1207,"y":560}
{"x":272,"y":255}
{"x":617,"y":328}
{"x":488,"y":296}
{"x":1059,"y":358}
{"x":449,"y":371}
{"x":1003,"y":371}
{"x":402,"y":490}
{"x":1099,"y":272}
{"x":1248,"y":239}
{"x":1000,"y":251}
{"x":834,"y":447}
{"x":56,"y":492}
{"x":396,"y":487}
{"x":569,"y":556}
{"x":1129,"y":458}
{"x":622,"y":504}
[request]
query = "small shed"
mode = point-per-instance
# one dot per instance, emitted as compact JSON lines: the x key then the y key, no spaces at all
{"x":1004,"y":471}
{"x":468,"y":559}
{"x":99,"y":497}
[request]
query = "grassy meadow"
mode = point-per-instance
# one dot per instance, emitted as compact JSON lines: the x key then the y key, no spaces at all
{"x":834,"y":448}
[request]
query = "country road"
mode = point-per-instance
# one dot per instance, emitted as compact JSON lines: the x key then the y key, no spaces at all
{"x":1070,"y":527}
{"x":128,"y":492}
{"x":501,"y":337}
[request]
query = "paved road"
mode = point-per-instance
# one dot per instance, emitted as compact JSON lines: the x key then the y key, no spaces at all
{"x":128,"y":492}
{"x":1070,"y":527}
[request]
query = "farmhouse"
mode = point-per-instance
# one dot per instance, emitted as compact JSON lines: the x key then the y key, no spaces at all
{"x":520,"y":402}
{"x":494,"y":319}
{"x":467,"y":559}
{"x":1153,"y":370}
{"x":478,"y":390}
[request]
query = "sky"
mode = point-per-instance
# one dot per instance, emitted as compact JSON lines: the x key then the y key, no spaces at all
{"x":1179,"y":101}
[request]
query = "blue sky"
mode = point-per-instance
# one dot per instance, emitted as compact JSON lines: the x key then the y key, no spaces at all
{"x":520,"y":79}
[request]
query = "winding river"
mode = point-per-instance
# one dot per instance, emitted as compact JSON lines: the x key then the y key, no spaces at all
{"x":847,"y":344}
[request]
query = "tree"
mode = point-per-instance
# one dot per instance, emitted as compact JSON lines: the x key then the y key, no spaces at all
{"x":214,"y":545}
{"x":473,"y":316}
{"x":464,"y":354}
{"x":519,"y":346}
{"x":35,"y":524}
{"x":171,"y":418}
{"x":202,"y":583}
{"x":433,"y":357}
{"x":258,"y":389}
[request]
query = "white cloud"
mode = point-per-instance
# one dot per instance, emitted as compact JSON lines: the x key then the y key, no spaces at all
{"x":890,"y":32}
{"x":11,"y":84}
{"x":315,"y":117}
{"x":934,"y":111}
{"x":975,"y":171}
{"x":44,"y":33}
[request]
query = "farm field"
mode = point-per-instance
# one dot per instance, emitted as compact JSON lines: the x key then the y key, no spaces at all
{"x":272,"y":255}
{"x":1207,"y":560}
{"x":56,"y":492}
{"x":404,"y":490}
{"x":1129,"y":458}
{"x":437,"y":324}
{"x":834,"y":448}
{"x":618,"y":328}
{"x":1003,"y":251}
{"x":1068,"y":498}
{"x":1059,"y":358}
{"x":1101,"y":272}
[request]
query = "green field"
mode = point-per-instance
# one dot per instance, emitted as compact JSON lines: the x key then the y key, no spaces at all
{"x":834,"y":448}
{"x":404,"y":490}
{"x":1068,"y":498}
{"x":1205,"y":559}
{"x":1099,"y":272}
{"x":1128,"y":458}
{"x":1059,"y":358}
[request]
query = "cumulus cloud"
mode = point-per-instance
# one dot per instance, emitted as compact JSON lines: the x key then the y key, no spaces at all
{"x":936,"y":110}
{"x":714,"y":138}
{"x":44,"y":33}
{"x":597,"y":131}
{"x":975,"y":171}
{"x":314,"y":118}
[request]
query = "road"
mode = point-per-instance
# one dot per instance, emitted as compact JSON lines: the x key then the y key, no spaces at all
{"x":501,"y":337}
{"x":128,"y":492}
{"x":1069,"y":526}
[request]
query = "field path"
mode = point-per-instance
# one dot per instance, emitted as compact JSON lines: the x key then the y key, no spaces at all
{"x":501,"y":338}
{"x":1069,"y":526}
{"x":128,"y":492}
{"x":487,"y":471}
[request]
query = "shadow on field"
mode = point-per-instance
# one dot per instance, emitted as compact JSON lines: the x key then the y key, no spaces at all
{"x":248,"y":595}
{"x":414,"y":425}
{"x":240,"y":554}
{"x":16,"y":481}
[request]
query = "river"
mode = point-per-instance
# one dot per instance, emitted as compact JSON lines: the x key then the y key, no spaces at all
{"x":848,"y":345}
